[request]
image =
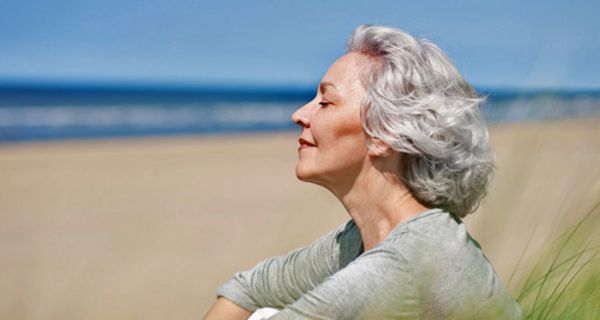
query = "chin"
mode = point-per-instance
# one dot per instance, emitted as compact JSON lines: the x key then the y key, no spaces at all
{"x":302,"y":175}
{"x":305,"y":174}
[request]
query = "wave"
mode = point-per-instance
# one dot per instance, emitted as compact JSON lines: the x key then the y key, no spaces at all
{"x":63,"y":114}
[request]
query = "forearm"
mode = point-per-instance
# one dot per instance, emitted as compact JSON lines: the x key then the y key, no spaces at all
{"x":225,"y":309}
{"x":280,"y":281}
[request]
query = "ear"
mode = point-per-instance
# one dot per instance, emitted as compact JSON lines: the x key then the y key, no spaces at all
{"x":378,"y":148}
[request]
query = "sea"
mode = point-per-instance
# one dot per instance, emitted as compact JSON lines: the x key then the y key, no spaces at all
{"x":50,"y":111}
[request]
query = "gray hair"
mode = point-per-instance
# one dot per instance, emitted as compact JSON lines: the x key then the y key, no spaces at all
{"x":417,"y":103}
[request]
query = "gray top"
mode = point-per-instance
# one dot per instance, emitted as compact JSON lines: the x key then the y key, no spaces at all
{"x":427,"y":268}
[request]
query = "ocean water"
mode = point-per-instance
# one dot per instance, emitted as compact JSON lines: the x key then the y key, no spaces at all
{"x":46,"y":112}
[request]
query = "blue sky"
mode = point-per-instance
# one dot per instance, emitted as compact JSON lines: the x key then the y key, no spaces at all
{"x":524,"y":44}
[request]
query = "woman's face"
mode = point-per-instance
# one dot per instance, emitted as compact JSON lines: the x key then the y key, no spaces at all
{"x":332,"y":143}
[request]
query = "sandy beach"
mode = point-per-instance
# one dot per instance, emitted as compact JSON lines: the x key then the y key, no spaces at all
{"x":149,"y":227}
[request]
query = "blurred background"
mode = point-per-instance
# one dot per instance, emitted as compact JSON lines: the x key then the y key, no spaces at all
{"x":147,"y":151}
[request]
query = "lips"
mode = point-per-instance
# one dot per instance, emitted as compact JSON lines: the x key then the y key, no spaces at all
{"x":304,"y":142}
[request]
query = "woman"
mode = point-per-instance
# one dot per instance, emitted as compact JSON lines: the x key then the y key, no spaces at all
{"x":396,"y":135}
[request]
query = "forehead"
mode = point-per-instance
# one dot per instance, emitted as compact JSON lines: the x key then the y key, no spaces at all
{"x":346,"y":72}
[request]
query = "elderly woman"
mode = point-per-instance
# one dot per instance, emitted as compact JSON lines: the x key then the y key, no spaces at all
{"x":395,"y":133}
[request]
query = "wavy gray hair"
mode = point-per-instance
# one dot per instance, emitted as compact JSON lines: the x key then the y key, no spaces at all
{"x":418,"y":104}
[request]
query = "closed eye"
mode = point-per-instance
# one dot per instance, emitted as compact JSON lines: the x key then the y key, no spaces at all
{"x":324,"y":103}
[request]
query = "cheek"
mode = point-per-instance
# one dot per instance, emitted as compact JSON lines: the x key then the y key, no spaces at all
{"x":348,"y":140}
{"x":350,"y":127}
{"x":339,"y":132}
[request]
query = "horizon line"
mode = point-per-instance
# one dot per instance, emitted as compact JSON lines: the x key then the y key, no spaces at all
{"x":229,"y":85}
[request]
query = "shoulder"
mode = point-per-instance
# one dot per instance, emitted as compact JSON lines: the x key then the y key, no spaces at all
{"x":438,"y":251}
{"x":435,"y":231}
{"x":448,"y":266}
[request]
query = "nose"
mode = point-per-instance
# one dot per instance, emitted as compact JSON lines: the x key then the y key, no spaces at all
{"x":302,"y":115}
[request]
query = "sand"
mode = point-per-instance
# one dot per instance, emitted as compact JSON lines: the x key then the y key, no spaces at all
{"x":148,"y":228}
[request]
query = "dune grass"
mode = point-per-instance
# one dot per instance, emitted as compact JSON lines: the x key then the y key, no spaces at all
{"x":565,"y":281}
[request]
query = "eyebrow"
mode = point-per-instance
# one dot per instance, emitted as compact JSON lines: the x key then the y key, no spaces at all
{"x":326,"y":84}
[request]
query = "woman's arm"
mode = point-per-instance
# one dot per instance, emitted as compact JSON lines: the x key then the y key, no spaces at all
{"x":225,"y":309}
{"x":279,"y":281}
{"x":377,"y":285}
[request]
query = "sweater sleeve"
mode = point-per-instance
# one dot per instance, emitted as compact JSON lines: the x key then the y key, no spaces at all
{"x":377,"y":285}
{"x":279,"y":281}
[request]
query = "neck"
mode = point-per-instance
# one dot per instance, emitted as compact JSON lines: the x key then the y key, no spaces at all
{"x":377,"y":202}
